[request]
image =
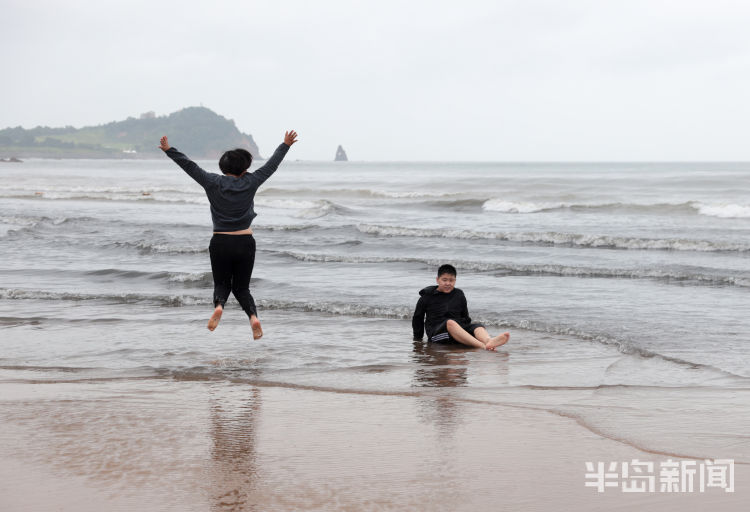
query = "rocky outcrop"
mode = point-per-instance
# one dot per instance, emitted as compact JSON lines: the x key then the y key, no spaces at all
{"x":340,"y":155}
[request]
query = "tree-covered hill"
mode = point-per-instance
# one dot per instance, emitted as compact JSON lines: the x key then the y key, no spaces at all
{"x":196,"y":131}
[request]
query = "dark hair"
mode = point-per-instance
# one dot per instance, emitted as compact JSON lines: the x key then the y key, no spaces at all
{"x":447,"y":269}
{"x":235,"y":161}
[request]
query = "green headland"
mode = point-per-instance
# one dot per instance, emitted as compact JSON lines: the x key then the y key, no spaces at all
{"x":197,"y":131}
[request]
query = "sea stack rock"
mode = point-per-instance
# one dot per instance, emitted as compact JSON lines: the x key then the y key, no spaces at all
{"x":340,"y":155}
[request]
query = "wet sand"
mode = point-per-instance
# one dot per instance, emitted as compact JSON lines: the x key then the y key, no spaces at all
{"x":164,"y":444}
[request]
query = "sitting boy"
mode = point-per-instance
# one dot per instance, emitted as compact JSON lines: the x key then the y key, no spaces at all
{"x":448,"y":315}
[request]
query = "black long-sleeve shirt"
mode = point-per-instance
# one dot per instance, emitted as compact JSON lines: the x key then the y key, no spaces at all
{"x":438,"y":307}
{"x":232,"y":198}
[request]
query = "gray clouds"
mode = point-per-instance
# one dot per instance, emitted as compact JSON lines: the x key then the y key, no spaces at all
{"x":475,"y":80}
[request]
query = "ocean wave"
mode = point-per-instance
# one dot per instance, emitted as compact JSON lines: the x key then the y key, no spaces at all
{"x":287,"y":204}
{"x":15,"y":225}
{"x":120,"y":273}
{"x":501,"y":205}
{"x":21,"y":221}
{"x":286,"y":227}
{"x":562,"y":239}
{"x":356,"y":193}
{"x":146,"y":247}
{"x":692,"y":275}
{"x":724,"y":211}
{"x":321,"y":210}
{"x":205,"y":278}
{"x":11,"y":321}
{"x":151,"y":225}
{"x":125,"y":193}
{"x":413,"y":195}
{"x":175,"y":277}
{"x":305,"y":209}
{"x":110,"y":196}
{"x":456,"y":204}
{"x":33,"y":221}
{"x":339,"y":308}
{"x":111,"y":298}
{"x":688,"y":207}
{"x":21,"y":225}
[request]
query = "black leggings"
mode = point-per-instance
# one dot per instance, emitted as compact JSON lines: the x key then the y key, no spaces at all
{"x":232,"y":260}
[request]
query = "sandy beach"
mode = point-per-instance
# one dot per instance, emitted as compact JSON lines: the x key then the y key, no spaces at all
{"x":168,"y":445}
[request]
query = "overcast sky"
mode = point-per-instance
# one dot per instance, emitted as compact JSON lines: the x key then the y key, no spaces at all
{"x":495,"y":80}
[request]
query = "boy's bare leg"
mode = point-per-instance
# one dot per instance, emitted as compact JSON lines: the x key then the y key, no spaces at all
{"x":255,"y":324}
{"x":482,"y":335}
{"x":214,"y":320}
{"x":460,"y":335}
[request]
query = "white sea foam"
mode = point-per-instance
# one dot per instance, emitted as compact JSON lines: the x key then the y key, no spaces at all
{"x":160,"y":248}
{"x":18,"y":220}
{"x":110,"y":196}
{"x":725,"y":211}
{"x":320,"y":210}
{"x":14,"y":223}
{"x":190,"y":277}
{"x":305,"y":209}
{"x":117,"y":298}
{"x":696,"y":277}
{"x":355,"y":192}
{"x":664,"y":207}
{"x":411,"y":195}
{"x":555,"y":238}
{"x":500,"y":205}
{"x":18,"y":224}
{"x":285,"y":227}
{"x":286,"y":204}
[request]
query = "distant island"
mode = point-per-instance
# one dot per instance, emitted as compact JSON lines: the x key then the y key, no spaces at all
{"x":197,"y":131}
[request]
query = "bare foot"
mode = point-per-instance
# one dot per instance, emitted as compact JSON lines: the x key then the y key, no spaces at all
{"x":214,"y":320}
{"x":498,"y":341}
{"x":255,"y":324}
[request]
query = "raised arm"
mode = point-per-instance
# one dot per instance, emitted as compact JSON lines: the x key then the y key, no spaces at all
{"x":417,"y":321}
{"x":191,"y":168}
{"x":264,"y":172}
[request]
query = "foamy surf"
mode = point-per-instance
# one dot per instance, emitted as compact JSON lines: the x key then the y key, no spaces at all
{"x":563,"y":239}
{"x":724,"y":211}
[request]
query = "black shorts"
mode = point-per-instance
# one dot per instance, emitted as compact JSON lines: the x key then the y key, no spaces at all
{"x":441,"y":333}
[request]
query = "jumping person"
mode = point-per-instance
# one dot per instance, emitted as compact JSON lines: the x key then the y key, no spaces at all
{"x":232,"y":246}
{"x":447,"y":314}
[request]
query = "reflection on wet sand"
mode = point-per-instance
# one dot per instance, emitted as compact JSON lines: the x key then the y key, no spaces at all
{"x":234,"y":419}
{"x":447,"y":367}
{"x":439,"y":366}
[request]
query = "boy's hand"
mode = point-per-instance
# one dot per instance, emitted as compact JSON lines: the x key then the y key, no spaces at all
{"x":290,"y":137}
{"x":164,"y":143}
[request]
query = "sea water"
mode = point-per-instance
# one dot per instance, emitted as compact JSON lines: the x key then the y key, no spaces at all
{"x":625,"y":286}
